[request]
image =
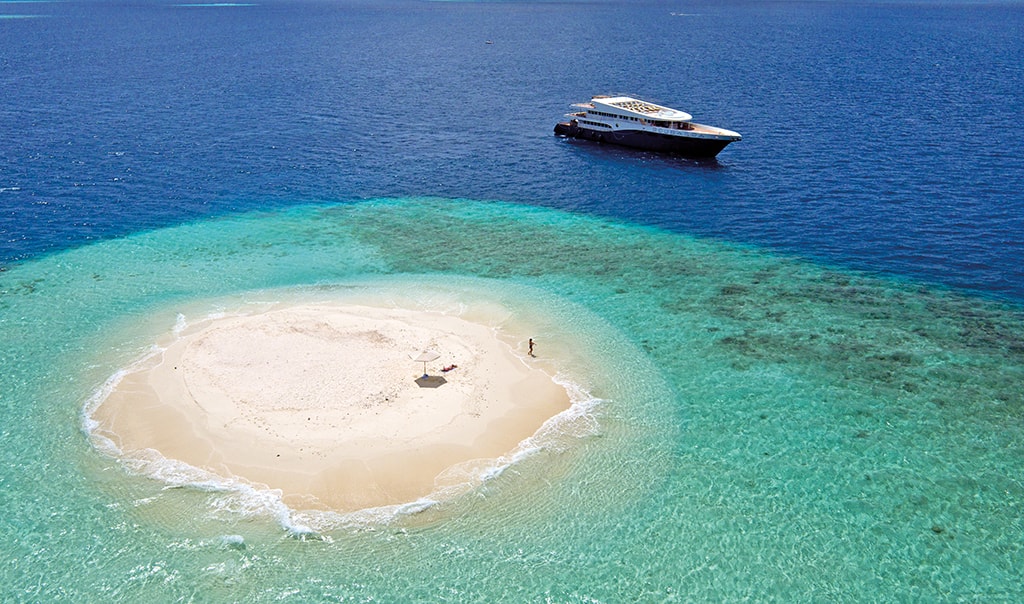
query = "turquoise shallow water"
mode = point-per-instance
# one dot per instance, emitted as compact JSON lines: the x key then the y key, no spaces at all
{"x":766,"y":428}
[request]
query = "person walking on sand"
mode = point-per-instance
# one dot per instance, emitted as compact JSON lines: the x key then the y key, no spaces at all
{"x":531,"y":347}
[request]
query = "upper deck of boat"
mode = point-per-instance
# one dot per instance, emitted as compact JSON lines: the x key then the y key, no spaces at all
{"x":631,"y":107}
{"x":650,"y":114}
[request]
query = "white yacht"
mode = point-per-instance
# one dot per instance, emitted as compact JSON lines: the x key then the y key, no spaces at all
{"x":627,"y":121}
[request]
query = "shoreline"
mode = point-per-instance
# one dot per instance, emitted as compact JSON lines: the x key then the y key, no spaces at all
{"x":323,"y":402}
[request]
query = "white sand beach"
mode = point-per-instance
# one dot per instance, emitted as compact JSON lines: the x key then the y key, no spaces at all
{"x":323,"y":401}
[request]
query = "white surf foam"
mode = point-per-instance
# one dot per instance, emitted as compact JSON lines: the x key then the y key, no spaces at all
{"x":238,"y":498}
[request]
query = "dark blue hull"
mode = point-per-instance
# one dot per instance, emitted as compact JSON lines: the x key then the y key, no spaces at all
{"x":697,"y":148}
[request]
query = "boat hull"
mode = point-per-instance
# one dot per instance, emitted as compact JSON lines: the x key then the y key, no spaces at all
{"x":692,"y":147}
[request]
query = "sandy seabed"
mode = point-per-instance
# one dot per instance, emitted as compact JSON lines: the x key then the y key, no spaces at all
{"x":324,"y":402}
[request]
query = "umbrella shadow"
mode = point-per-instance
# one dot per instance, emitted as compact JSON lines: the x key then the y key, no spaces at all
{"x":430,"y":381}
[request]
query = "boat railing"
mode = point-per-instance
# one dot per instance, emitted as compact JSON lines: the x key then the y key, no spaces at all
{"x":689,"y":126}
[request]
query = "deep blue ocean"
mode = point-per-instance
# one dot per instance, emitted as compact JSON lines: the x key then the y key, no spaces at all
{"x":879,"y":136}
{"x":817,"y":339}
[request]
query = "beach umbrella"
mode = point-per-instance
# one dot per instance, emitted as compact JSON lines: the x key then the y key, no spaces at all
{"x":425,"y":357}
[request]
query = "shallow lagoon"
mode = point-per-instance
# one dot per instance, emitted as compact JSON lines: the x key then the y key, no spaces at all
{"x":761,"y":424}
